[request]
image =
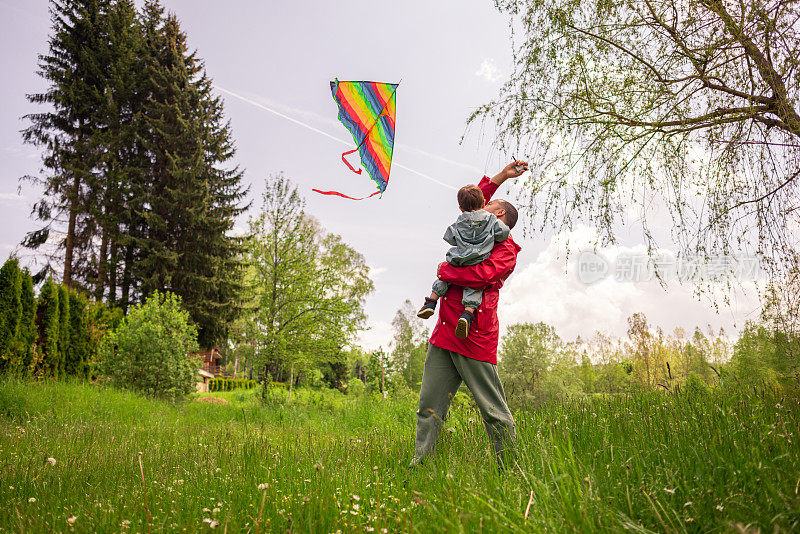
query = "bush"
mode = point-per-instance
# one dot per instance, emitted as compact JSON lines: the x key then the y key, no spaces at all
{"x":10,"y":310}
{"x":230,"y":384}
{"x":78,"y":349}
{"x":151,"y":351}
{"x":26,"y":336}
{"x":47,"y":316}
{"x":63,"y":329}
{"x":356,"y":387}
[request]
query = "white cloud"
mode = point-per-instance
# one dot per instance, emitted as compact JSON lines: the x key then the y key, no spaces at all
{"x":549,"y":290}
{"x":376,"y":272}
{"x":488,"y":71}
{"x":11,"y":196}
{"x":377,"y":335}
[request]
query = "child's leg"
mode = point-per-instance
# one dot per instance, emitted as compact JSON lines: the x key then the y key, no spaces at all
{"x":438,"y":290}
{"x":471,"y":299}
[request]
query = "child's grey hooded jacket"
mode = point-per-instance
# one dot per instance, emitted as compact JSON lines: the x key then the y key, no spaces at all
{"x":473,"y":236}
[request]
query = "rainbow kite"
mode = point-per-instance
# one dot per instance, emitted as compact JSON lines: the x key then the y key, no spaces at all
{"x":367,"y":110}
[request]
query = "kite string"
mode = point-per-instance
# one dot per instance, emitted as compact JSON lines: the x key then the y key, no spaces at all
{"x":326,"y":134}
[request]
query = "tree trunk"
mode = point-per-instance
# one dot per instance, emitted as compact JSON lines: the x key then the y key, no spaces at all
{"x":112,"y":273}
{"x":291,"y":383}
{"x":101,"y":267}
{"x":69,"y":241}
{"x":126,"y":277}
{"x":383,"y":377}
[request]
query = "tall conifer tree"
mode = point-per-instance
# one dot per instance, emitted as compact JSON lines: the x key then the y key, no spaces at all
{"x":195,"y":193}
{"x":76,"y":69}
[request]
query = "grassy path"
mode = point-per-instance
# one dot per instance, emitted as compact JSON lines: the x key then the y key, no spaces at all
{"x":329,"y":463}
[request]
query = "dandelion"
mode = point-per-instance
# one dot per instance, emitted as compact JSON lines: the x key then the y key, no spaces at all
{"x":71,"y":519}
{"x":263,"y":487}
{"x":51,"y":461}
{"x":32,"y":499}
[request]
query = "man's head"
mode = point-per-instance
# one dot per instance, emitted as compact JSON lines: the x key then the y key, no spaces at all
{"x":470,"y":198}
{"x":503,"y":210}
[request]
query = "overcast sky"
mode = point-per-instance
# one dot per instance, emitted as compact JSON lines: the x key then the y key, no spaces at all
{"x":451,"y":56}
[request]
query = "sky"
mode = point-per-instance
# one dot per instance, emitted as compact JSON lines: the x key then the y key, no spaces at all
{"x":450,"y":57}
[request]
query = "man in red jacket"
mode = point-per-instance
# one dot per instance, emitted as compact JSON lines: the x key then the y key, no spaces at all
{"x":452,"y":360}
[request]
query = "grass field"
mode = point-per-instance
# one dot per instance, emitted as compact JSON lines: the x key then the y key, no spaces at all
{"x":702,"y":463}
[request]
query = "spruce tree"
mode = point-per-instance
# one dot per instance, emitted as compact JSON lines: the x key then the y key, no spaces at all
{"x":10,"y":310}
{"x":75,"y":68}
{"x":124,"y":157}
{"x":194,"y":194}
{"x":47,"y":321}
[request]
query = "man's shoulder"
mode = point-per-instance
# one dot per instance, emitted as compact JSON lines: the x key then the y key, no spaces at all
{"x":507,"y":245}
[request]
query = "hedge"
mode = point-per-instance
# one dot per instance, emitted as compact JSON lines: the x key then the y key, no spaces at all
{"x":229,"y":384}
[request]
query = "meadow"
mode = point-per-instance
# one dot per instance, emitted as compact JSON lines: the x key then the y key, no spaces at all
{"x":84,"y":458}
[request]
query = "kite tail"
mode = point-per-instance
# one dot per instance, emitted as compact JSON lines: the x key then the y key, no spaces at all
{"x":338,"y":194}
{"x":347,"y":162}
{"x":357,"y":171}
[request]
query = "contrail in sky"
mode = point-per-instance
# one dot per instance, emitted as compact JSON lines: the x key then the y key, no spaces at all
{"x":326,"y":134}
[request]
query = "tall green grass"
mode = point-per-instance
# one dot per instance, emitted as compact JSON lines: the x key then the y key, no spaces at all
{"x":649,"y":462}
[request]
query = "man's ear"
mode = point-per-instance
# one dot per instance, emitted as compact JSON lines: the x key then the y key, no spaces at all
{"x":500,"y":213}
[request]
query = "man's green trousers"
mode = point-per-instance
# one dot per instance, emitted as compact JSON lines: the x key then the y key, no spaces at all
{"x":443,"y":374}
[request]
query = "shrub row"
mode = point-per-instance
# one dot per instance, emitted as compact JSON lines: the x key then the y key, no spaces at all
{"x":229,"y":384}
{"x":56,"y":334}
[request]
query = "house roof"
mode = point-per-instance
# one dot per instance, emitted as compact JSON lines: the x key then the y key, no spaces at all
{"x":205,"y":373}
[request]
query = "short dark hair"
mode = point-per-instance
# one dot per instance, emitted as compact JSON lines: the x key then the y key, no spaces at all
{"x":470,"y":198}
{"x":511,"y":212}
